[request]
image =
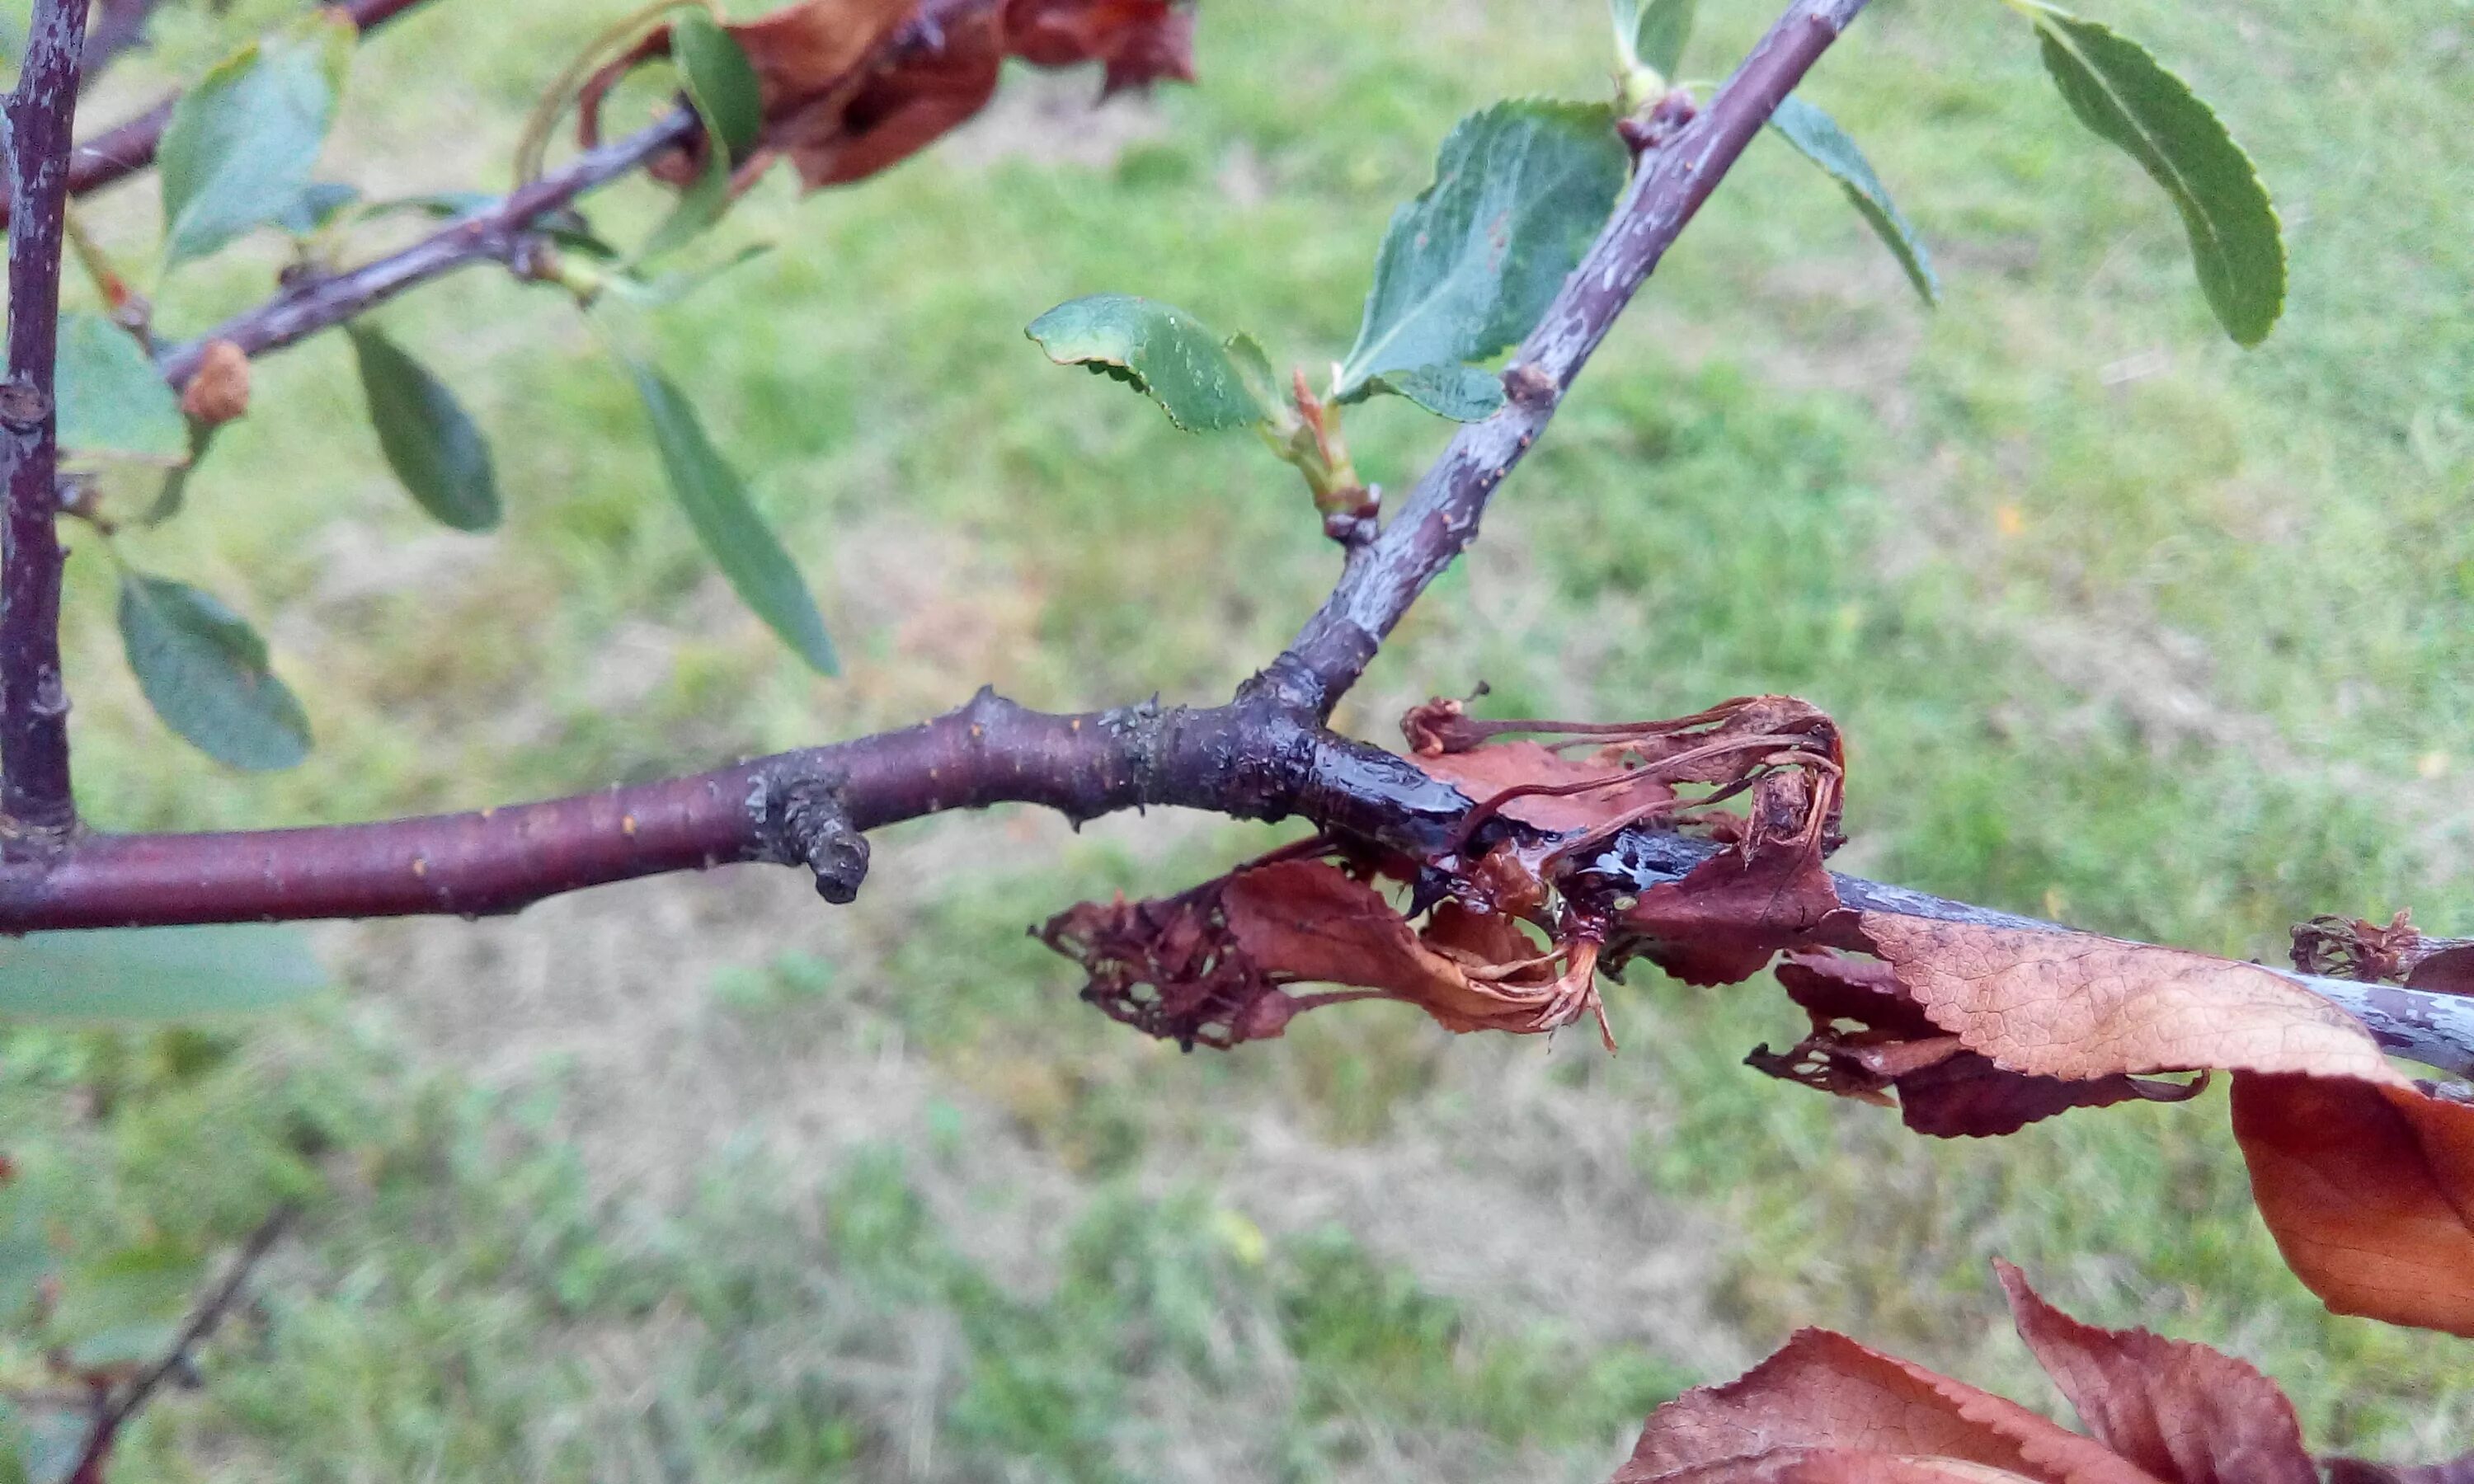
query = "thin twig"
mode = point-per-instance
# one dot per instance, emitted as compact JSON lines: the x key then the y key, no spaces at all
{"x":490,"y":234}
{"x":210,"y":1313}
{"x":35,"y":797}
{"x":116,"y":26}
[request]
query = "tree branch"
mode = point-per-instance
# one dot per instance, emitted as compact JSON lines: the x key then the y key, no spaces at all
{"x":202,"y":1324}
{"x":492,"y":235}
{"x":1263,"y":755}
{"x":35,"y":797}
{"x":1382,"y":578}
{"x":127,"y":148}
{"x":116,"y":26}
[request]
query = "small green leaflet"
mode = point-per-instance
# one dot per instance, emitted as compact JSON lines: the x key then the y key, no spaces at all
{"x":317,"y":207}
{"x":154,"y":973}
{"x":428,"y":440}
{"x":1468,"y":267}
{"x":123,"y":1307}
{"x":205,"y":671}
{"x":721,"y":86}
{"x":1202,"y":382}
{"x":240,"y":145}
{"x":1652,"y":33}
{"x":720,"y":79}
{"x":1464,"y":394}
{"x":112,"y":400}
{"x":2121,"y":91}
{"x":716,"y":504}
{"x":1817,"y":136}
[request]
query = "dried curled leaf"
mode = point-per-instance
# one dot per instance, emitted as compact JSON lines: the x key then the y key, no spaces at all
{"x":1944,"y":1090}
{"x":2397,"y":953}
{"x":2369,"y":1189}
{"x":1827,"y":1410}
{"x":1210,"y":965}
{"x":218,"y":391}
{"x":849,"y":88}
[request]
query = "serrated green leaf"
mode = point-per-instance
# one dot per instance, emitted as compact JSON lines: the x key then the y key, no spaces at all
{"x":112,"y":400}
{"x":204,"y":670}
{"x":1652,"y":33}
{"x":2130,"y":99}
{"x":1464,"y":394}
{"x":720,"y":79}
{"x":716,"y":505}
{"x":240,"y":145}
{"x":430,"y":440}
{"x":1468,"y":267}
{"x":1817,"y":136}
{"x":154,"y":973}
{"x":1202,"y":382}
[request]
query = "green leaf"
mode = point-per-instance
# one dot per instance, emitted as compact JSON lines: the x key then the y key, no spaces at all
{"x":430,"y":442}
{"x":317,"y":207}
{"x":1464,"y":394}
{"x":1817,"y":136}
{"x":1468,"y":268}
{"x":1652,"y":33}
{"x":716,"y":504}
{"x":49,"y":1442}
{"x":719,"y":80}
{"x":1202,"y":382}
{"x":154,"y":973}
{"x":239,"y":147}
{"x":173,"y":491}
{"x":2128,"y":98}
{"x":123,"y":1306}
{"x":204,"y":670}
{"x":112,"y":400}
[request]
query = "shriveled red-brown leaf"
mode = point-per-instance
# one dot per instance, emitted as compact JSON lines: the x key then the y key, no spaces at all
{"x":218,"y":391}
{"x":2395,"y":951}
{"x":1309,"y":921}
{"x":1825,"y":1392}
{"x":2186,"y":1413}
{"x":1484,"y":772}
{"x":2368,"y":1190}
{"x":1943,"y":1091}
{"x":1730,"y":915}
{"x":1842,"y":1465}
{"x":848,"y":87}
{"x":2078,"y":1006}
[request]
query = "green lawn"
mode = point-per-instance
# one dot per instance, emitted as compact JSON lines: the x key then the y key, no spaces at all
{"x":700,"y":1180}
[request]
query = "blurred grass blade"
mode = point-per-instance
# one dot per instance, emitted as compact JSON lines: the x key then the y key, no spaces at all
{"x":2127,"y":97}
{"x":112,"y":400}
{"x":204,"y":670}
{"x":1202,"y":382}
{"x":154,"y":973}
{"x":1468,"y":267}
{"x":716,"y":504}
{"x":430,"y":440}
{"x":1653,"y":33}
{"x":1817,"y":136}
{"x":1464,"y":394}
{"x":720,"y":81}
{"x":240,"y":145}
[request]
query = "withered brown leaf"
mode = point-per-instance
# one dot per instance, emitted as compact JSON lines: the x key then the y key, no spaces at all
{"x":2369,"y":1189}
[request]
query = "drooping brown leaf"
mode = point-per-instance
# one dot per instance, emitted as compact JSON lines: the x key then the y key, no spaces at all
{"x":1944,"y":1090}
{"x":1826,"y":1408}
{"x":218,"y":390}
{"x":2183,"y":1412}
{"x":2397,"y":952}
{"x":1138,"y":42}
{"x":2075,"y":1005}
{"x":1730,"y":915}
{"x":2369,"y":1189}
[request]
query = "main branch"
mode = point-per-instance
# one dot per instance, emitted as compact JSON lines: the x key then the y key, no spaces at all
{"x":35,"y":797}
